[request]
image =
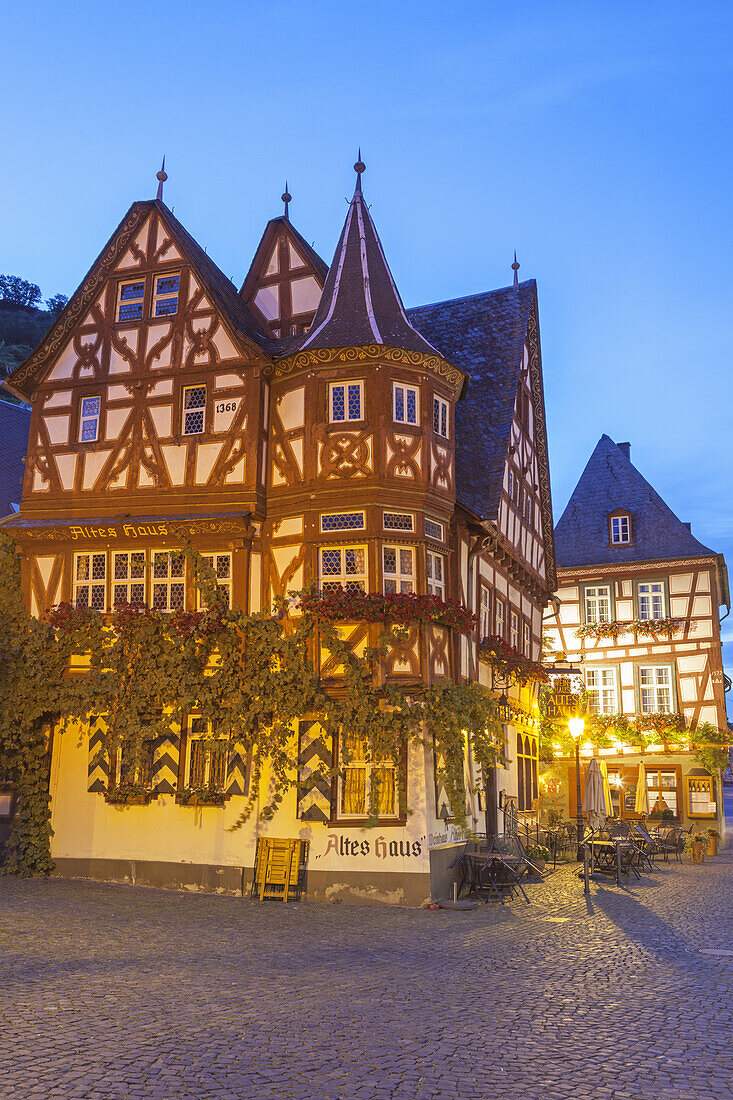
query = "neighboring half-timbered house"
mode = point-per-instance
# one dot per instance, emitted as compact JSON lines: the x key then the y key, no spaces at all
{"x":307,"y":429}
{"x":638,"y":614}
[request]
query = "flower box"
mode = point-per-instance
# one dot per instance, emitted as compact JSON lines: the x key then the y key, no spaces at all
{"x":118,"y":796}
{"x":201,"y":798}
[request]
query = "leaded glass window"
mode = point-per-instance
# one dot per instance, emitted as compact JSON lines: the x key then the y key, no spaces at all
{"x":165,"y":297}
{"x":343,"y":521}
{"x":398,"y":521}
{"x":194,"y":410}
{"x":405,"y":403}
{"x":343,"y":567}
{"x":222,"y":566}
{"x":345,"y":401}
{"x":440,"y":417}
{"x":90,"y":581}
{"x":89,"y":419}
{"x":434,"y":530}
{"x":128,"y":576}
{"x":398,"y":568}
{"x":169,"y":581}
{"x":130,"y":304}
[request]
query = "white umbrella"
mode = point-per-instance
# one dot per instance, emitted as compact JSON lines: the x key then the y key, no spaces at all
{"x":594,"y":798}
{"x":641,"y":806}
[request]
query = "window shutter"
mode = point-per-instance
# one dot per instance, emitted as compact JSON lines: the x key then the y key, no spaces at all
{"x":98,"y":768}
{"x":238,"y":771}
{"x":166,"y":760}
{"x":315,"y":761}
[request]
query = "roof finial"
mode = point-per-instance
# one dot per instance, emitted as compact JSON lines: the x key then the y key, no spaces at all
{"x":515,"y":269}
{"x":161,"y":177}
{"x":287,"y":199}
{"x":359,"y":167}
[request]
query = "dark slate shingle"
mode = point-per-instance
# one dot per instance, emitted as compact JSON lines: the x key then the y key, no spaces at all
{"x":608,"y":483}
{"x":484,"y":334}
{"x":14,"y":425}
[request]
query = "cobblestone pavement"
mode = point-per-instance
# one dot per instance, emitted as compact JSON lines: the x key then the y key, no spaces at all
{"x":113,"y":991}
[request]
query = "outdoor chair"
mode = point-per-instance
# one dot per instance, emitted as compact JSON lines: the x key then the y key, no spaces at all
{"x":648,"y":844}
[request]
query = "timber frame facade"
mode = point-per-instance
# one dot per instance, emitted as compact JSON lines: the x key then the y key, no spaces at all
{"x":305,"y":430}
{"x":637,"y":611}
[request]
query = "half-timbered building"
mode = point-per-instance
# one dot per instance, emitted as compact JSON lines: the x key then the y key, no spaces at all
{"x":306,"y":429}
{"x":637,"y":612}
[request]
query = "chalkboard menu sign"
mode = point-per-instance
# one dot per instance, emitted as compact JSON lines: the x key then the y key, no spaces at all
{"x":630,"y":800}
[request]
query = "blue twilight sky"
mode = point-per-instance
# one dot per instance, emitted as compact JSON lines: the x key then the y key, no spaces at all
{"x":594,"y":138}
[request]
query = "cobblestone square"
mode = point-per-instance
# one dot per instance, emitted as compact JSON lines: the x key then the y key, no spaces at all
{"x":111,"y":991}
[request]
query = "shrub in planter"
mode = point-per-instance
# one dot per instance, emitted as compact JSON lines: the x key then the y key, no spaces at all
{"x":539,"y":856}
{"x":713,"y":836}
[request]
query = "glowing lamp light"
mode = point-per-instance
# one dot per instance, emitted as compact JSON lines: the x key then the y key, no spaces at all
{"x":576,"y":726}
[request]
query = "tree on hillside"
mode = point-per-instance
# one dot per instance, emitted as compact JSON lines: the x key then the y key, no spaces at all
{"x":19,"y":291}
{"x":56,"y":304}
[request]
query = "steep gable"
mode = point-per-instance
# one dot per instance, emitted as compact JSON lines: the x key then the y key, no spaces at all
{"x":611,"y":484}
{"x":283,"y":286}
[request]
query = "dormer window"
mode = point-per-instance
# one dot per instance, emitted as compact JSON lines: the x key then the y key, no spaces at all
{"x":130,"y":305}
{"x":620,"y":527}
{"x":165,"y":295}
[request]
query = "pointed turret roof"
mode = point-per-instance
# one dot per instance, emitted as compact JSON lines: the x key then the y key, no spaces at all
{"x":360,"y":303}
{"x":608,"y":484}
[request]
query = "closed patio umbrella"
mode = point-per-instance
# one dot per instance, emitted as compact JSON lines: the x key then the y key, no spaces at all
{"x":594,"y":799}
{"x":606,"y":788}
{"x":641,"y":806}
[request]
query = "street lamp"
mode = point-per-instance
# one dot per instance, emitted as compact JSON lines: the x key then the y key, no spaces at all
{"x":576,"y":726}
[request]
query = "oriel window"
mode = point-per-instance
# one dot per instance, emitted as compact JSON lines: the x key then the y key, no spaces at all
{"x":343,"y":567}
{"x":435,"y":573}
{"x":405,"y":401}
{"x":345,"y":401}
{"x":398,"y":568}
{"x":169,"y":581}
{"x":128,"y":576}
{"x":440,"y":417}
{"x":89,"y":419}
{"x":194,"y":410}
{"x":222,"y":566}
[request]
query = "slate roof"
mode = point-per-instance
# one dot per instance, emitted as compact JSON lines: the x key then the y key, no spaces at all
{"x":484,"y":334}
{"x":360,"y":303}
{"x":14,"y":425}
{"x":610,"y":482}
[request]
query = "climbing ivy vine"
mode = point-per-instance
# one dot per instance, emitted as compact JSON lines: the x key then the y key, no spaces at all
{"x":250,"y":676}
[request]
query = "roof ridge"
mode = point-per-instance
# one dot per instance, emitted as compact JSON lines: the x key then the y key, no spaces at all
{"x":472,"y":297}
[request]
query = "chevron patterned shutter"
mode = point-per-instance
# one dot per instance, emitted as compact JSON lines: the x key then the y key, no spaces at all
{"x":166,"y":758}
{"x":315,"y":760}
{"x":98,"y":769}
{"x":238,"y":771}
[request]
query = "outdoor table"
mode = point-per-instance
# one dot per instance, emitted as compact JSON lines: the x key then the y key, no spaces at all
{"x":604,"y":857}
{"x":495,"y":872}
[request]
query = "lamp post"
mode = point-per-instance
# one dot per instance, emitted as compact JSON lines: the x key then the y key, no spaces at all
{"x":576,"y":727}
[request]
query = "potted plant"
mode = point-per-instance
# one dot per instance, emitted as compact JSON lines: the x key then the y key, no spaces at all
{"x":696,"y":844}
{"x":713,"y":837}
{"x":128,"y":794}
{"x":200,"y":796}
{"x":539,"y":856}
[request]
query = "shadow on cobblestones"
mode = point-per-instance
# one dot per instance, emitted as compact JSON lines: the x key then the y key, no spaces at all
{"x":112,"y":991}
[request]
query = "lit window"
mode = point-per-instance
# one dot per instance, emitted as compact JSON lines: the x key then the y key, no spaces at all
{"x":169,"y":581}
{"x":433,"y":530}
{"x":89,"y":419}
{"x":500,"y":618}
{"x":485,"y":611}
{"x":343,"y":567}
{"x":601,"y":686}
{"x":435,"y":574}
{"x":367,"y":785}
{"x":90,"y":581}
{"x":440,"y":417}
{"x":165,"y":295}
{"x":343,"y":521}
{"x":130,"y":304}
{"x":345,"y":401}
{"x":514,"y":630}
{"x":398,"y":521}
{"x":398,"y":567}
{"x":598,"y":603}
{"x":194,"y":410}
{"x":527,"y":760}
{"x":655,"y":684}
{"x":405,"y":403}
{"x":651,"y":601}
{"x":222,"y":565}
{"x":620,"y":529}
{"x":128,"y":576}
{"x":662,"y":787}
{"x":207,"y":757}
{"x":526,"y":640}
